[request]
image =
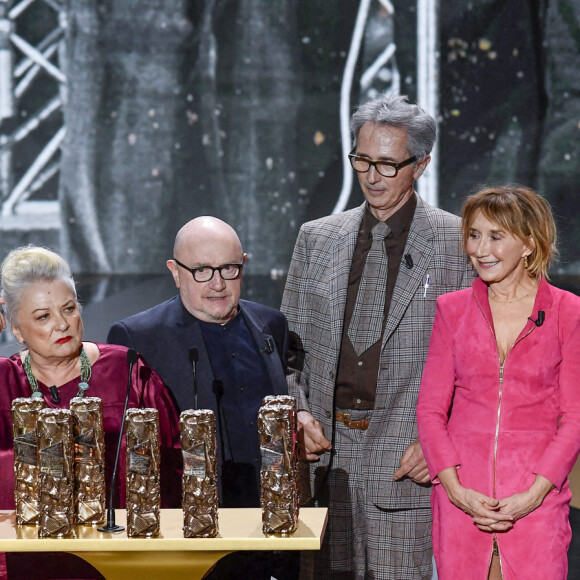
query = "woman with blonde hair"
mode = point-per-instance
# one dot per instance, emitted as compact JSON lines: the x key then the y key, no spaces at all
{"x":55,"y":363}
{"x":499,"y":404}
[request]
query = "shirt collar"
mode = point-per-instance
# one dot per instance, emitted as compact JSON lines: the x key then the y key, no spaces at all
{"x":397,"y":222}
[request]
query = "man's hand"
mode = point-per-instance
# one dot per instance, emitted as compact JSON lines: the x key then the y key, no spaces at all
{"x":311,"y":439}
{"x":413,"y":464}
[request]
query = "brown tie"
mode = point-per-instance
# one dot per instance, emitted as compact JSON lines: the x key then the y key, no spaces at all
{"x":366,"y":324}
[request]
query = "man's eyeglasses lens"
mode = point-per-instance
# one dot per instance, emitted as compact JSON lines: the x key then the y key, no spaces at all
{"x":205,"y":273}
{"x":384,"y":168}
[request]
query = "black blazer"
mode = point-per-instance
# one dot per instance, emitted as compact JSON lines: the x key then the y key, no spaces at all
{"x":165,"y":333}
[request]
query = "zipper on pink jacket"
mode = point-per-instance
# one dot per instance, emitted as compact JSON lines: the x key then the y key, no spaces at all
{"x":501,"y":373}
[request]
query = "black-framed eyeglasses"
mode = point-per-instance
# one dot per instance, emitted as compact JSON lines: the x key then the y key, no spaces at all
{"x":205,"y":273}
{"x":384,"y":168}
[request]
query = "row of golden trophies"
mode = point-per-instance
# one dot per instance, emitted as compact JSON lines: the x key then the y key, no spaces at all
{"x":59,"y":468}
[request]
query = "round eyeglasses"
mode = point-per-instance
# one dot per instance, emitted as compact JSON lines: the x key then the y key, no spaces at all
{"x":205,"y":273}
{"x":384,"y":168}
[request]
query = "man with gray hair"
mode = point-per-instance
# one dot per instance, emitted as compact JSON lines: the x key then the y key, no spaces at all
{"x":360,"y":301}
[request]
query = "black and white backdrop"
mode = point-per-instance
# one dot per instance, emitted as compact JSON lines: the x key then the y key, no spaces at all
{"x":169,"y":109}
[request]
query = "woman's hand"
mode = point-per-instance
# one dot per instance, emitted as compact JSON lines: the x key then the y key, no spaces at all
{"x":520,"y":505}
{"x":2,"y":319}
{"x":484,"y":510}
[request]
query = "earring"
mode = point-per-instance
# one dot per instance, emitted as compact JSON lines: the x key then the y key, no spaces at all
{"x":526,"y":265}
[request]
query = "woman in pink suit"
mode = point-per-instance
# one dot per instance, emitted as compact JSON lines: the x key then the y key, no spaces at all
{"x":499,"y":405}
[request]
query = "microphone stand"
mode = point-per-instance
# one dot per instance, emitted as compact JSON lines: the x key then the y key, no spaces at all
{"x":111,"y":526}
{"x":193,"y":358}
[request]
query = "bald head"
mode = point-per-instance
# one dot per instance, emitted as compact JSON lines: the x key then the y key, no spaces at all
{"x":207,"y":241}
{"x":205,"y":229}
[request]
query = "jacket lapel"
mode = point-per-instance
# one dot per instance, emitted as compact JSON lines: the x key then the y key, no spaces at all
{"x":341,"y":257}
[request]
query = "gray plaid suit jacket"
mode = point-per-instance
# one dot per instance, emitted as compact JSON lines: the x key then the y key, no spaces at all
{"x":314,"y":302}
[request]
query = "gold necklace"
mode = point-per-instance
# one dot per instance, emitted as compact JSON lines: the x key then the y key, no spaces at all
{"x":491,"y":293}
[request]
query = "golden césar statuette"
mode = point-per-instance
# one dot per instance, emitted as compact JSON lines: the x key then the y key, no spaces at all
{"x":278,"y":475}
{"x":56,"y":480}
{"x":89,"y":463}
{"x":26,"y":490}
{"x":143,"y":468}
{"x":200,"y":490}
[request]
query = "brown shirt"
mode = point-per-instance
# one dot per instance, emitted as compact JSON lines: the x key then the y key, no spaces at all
{"x":356,"y":378}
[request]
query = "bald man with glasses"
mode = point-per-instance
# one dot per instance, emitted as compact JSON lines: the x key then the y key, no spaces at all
{"x":235,"y":349}
{"x":216,"y":351}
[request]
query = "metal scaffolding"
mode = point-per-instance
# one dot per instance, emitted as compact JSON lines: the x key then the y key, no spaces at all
{"x":31,"y":66}
{"x":35,"y":66}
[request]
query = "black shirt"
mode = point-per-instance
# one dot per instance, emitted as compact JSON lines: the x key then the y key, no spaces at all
{"x":238,"y":366}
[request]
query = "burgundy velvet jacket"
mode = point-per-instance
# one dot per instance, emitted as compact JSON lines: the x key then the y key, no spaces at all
{"x":109,"y":383}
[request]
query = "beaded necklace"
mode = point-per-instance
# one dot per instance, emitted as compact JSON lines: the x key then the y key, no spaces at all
{"x":86,"y":373}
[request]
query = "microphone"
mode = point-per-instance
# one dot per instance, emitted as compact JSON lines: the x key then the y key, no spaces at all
{"x":193,"y":358}
{"x":110,"y":526}
{"x":218,"y":391}
{"x":540,"y":319}
{"x":408,"y":261}
{"x":54,"y":394}
{"x":269,"y":345}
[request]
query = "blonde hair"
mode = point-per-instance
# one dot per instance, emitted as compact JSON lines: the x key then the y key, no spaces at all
{"x":26,"y":265}
{"x":521,"y":212}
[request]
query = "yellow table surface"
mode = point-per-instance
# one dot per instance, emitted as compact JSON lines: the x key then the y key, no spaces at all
{"x":118,"y":557}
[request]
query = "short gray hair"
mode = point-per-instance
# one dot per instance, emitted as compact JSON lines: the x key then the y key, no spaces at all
{"x":397,"y":111}
{"x":26,"y":265}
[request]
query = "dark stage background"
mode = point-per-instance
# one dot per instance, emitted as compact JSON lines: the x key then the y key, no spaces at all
{"x":171,"y":109}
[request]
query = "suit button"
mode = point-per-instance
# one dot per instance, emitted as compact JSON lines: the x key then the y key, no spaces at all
{"x":331,"y":374}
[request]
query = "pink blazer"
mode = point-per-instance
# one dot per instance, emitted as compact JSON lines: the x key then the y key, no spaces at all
{"x":500,"y":428}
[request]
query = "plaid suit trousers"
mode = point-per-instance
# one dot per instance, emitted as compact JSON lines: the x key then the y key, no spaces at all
{"x":363,"y":541}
